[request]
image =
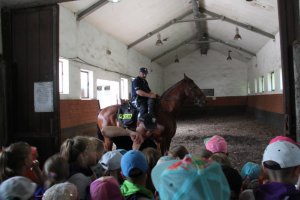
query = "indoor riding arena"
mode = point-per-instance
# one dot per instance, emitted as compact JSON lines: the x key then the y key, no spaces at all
{"x":214,"y":67}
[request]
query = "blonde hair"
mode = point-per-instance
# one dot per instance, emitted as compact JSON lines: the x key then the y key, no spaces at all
{"x":97,"y":144}
{"x":178,"y":151}
{"x":221,"y":158}
{"x":73,"y":147}
{"x":152,"y":156}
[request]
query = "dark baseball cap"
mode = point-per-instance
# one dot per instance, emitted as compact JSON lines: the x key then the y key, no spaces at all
{"x":144,"y":70}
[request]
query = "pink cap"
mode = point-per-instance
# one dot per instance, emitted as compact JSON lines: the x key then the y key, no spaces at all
{"x":216,"y":144}
{"x":283,"y":138}
{"x":106,"y":187}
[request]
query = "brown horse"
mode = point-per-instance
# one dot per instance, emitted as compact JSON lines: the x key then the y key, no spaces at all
{"x":166,"y":110}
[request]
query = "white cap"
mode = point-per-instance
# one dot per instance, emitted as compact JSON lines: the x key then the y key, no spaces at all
{"x":284,"y":153}
{"x":65,"y":191}
{"x":111,"y":160}
{"x":17,"y":187}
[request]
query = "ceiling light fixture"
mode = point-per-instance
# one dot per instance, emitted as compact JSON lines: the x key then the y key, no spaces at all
{"x":229,"y":57}
{"x":114,"y":1}
{"x":176,"y":59}
{"x":237,"y":35}
{"x":158,"y":41}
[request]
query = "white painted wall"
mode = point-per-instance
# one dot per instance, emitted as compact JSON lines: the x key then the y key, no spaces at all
{"x":227,"y":78}
{"x":268,"y":59}
{"x":82,"y":42}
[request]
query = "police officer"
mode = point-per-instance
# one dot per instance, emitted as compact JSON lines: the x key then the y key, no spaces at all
{"x":142,"y":96}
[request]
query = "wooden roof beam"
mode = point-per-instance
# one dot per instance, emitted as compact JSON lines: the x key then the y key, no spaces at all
{"x":246,"y":26}
{"x":232,"y":46}
{"x":91,"y":9}
{"x":151,"y":33}
{"x":174,"y":48}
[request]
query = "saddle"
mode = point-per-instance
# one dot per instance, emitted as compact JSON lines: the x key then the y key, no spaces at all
{"x":128,"y":117}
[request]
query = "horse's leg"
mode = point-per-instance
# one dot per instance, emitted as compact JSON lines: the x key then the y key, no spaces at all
{"x":158,"y":147}
{"x":165,"y":145}
{"x":168,"y":143}
{"x":108,"y":144}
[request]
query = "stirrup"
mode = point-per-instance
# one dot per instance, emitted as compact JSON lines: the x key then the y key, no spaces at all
{"x":149,"y":121}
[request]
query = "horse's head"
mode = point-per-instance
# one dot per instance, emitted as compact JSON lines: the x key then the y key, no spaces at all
{"x":193,"y":92}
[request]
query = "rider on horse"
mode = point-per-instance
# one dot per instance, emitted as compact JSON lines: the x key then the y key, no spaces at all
{"x":144,"y":99}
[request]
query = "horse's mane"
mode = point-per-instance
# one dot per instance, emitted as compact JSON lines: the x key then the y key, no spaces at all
{"x":172,"y":88}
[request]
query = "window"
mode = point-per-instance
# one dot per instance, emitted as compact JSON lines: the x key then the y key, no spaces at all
{"x":63,"y":70}
{"x":248,"y":88}
{"x":86,"y":78}
{"x":124,"y":88}
{"x":108,"y":92}
{"x":261,"y":84}
{"x":272,"y":81}
{"x":281,"y":82}
{"x":255,"y":86}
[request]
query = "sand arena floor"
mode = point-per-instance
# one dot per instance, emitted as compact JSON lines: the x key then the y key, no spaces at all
{"x":246,"y":137}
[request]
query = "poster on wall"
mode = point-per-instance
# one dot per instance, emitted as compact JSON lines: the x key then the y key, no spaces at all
{"x":43,"y":96}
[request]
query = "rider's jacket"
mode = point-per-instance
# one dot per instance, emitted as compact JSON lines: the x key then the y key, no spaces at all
{"x":139,"y":84}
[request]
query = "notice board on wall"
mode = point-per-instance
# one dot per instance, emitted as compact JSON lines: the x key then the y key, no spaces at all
{"x":43,"y":96}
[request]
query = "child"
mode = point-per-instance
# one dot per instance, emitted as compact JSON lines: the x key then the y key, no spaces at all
{"x":75,"y":151}
{"x":111,"y":163}
{"x":106,"y":187}
{"x":221,"y":158}
{"x":56,"y":170}
{"x":178,"y":152}
{"x":190,"y":179}
{"x":97,"y":149}
{"x":15,"y":160}
{"x":281,"y":162}
{"x":63,"y":191}
{"x":35,"y":173}
{"x":134,"y":168}
{"x":204,"y":153}
{"x":152,"y":156}
{"x":17,"y":187}
{"x":216,"y":144}
{"x":250,"y":174}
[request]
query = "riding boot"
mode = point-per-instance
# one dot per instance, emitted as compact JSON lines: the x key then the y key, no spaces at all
{"x":151,"y":106}
{"x":142,"y":109}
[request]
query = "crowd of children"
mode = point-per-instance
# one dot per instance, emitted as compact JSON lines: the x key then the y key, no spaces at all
{"x":84,"y":170}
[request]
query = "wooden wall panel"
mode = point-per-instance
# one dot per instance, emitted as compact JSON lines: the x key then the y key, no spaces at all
{"x":78,"y":112}
{"x":227,"y":101}
{"x":271,"y":103}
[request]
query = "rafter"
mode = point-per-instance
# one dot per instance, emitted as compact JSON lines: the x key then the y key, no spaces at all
{"x":151,"y":33}
{"x":173,"y":48}
{"x":91,"y":9}
{"x":191,"y":41}
{"x":232,"y":46}
{"x":246,"y":26}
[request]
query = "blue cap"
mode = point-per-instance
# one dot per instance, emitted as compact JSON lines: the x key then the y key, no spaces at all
{"x":133,"y":159}
{"x":144,"y":70}
{"x":251,"y":170}
{"x":191,"y":178}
